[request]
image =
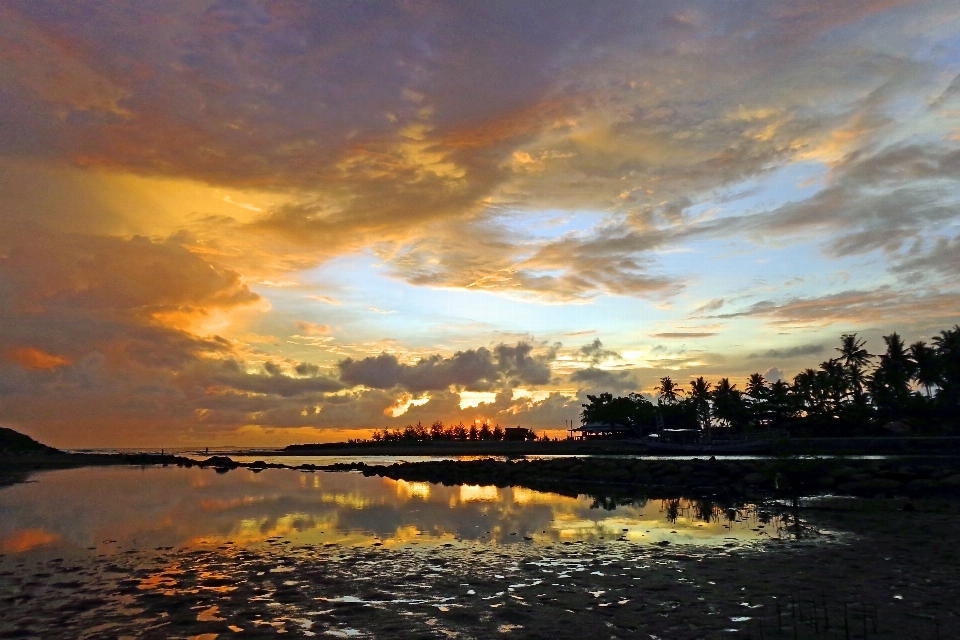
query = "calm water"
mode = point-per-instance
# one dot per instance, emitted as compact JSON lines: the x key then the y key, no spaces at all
{"x":107,"y":508}
{"x":199,"y":555}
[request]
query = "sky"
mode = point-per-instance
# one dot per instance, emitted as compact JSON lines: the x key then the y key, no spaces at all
{"x":261,"y":223}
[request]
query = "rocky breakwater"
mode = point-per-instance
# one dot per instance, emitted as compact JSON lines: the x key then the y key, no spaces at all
{"x":751,"y":479}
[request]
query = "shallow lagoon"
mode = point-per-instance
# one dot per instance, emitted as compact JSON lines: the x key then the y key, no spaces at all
{"x":191,"y":553}
{"x":79,"y":509}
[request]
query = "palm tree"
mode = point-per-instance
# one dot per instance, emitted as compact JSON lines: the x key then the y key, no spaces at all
{"x":855,"y":359}
{"x":779,"y":402}
{"x":947,"y":346}
{"x":834,"y":377}
{"x":927,"y":373}
{"x":668,"y":391}
{"x":758,"y":393}
{"x":757,"y":387}
{"x":890,"y":383}
{"x":700,"y":396}
{"x":728,"y":402}
{"x":810,"y":388}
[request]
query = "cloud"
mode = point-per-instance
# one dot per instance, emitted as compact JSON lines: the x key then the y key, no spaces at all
{"x":312,"y":328}
{"x":856,"y":308}
{"x":307,"y":369}
{"x":432,"y":138}
{"x":518,"y":365}
{"x":70,"y":294}
{"x":616,"y":382}
{"x":594,"y":353}
{"x":773,"y":374}
{"x":940,"y":257}
{"x":30,"y":358}
{"x":880,"y":200}
{"x":792,"y":352}
{"x":712,"y":305}
{"x":231,"y":375}
{"x":473,"y":370}
{"x":103,"y":333}
{"x":430,"y":123}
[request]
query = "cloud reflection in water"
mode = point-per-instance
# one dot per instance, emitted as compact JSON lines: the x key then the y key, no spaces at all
{"x":81,"y":508}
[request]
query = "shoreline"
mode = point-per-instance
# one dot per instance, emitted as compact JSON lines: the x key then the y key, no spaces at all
{"x":879,"y":445}
{"x":610,"y":478}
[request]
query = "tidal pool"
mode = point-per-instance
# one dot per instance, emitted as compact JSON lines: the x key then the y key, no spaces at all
{"x":174,"y":552}
{"x":108,"y":508}
{"x":192,"y":554}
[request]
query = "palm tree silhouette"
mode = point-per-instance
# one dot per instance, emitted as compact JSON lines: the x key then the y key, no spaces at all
{"x":855,"y":359}
{"x":947,"y":346}
{"x":834,"y":377}
{"x":668,"y":391}
{"x":779,"y":402}
{"x":700,"y":396}
{"x":756,"y":387}
{"x":890,"y":383}
{"x":727,"y":403}
{"x":810,"y":388}
{"x":758,"y":393}
{"x":927,"y":373}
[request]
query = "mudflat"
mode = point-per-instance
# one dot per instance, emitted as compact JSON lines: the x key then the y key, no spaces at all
{"x":862,"y":569}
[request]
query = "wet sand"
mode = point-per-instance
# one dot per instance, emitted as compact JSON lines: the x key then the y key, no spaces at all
{"x":887,"y":572}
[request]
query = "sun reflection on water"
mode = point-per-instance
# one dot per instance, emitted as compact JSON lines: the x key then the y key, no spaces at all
{"x":476,"y":493}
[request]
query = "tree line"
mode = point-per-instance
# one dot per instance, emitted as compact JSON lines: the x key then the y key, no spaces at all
{"x":438,"y":432}
{"x":853,"y":392}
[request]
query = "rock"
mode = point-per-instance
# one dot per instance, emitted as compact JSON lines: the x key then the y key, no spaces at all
{"x":921,"y":485}
{"x":951,"y":481}
{"x":870,"y":487}
{"x":220,"y":462}
{"x":897,"y":427}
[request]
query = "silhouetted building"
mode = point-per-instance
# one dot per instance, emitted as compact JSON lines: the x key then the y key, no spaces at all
{"x":518,"y":433}
{"x":603,"y":430}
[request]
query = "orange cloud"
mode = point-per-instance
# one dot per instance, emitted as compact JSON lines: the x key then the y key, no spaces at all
{"x":312,"y":328}
{"x":30,"y":358}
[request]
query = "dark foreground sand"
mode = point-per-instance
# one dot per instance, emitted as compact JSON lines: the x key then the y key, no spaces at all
{"x":889,"y":573}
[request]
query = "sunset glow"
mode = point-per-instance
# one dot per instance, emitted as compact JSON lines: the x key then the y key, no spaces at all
{"x":265,"y":223}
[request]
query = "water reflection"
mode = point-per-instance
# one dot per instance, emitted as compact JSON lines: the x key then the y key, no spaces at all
{"x":110,"y":509}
